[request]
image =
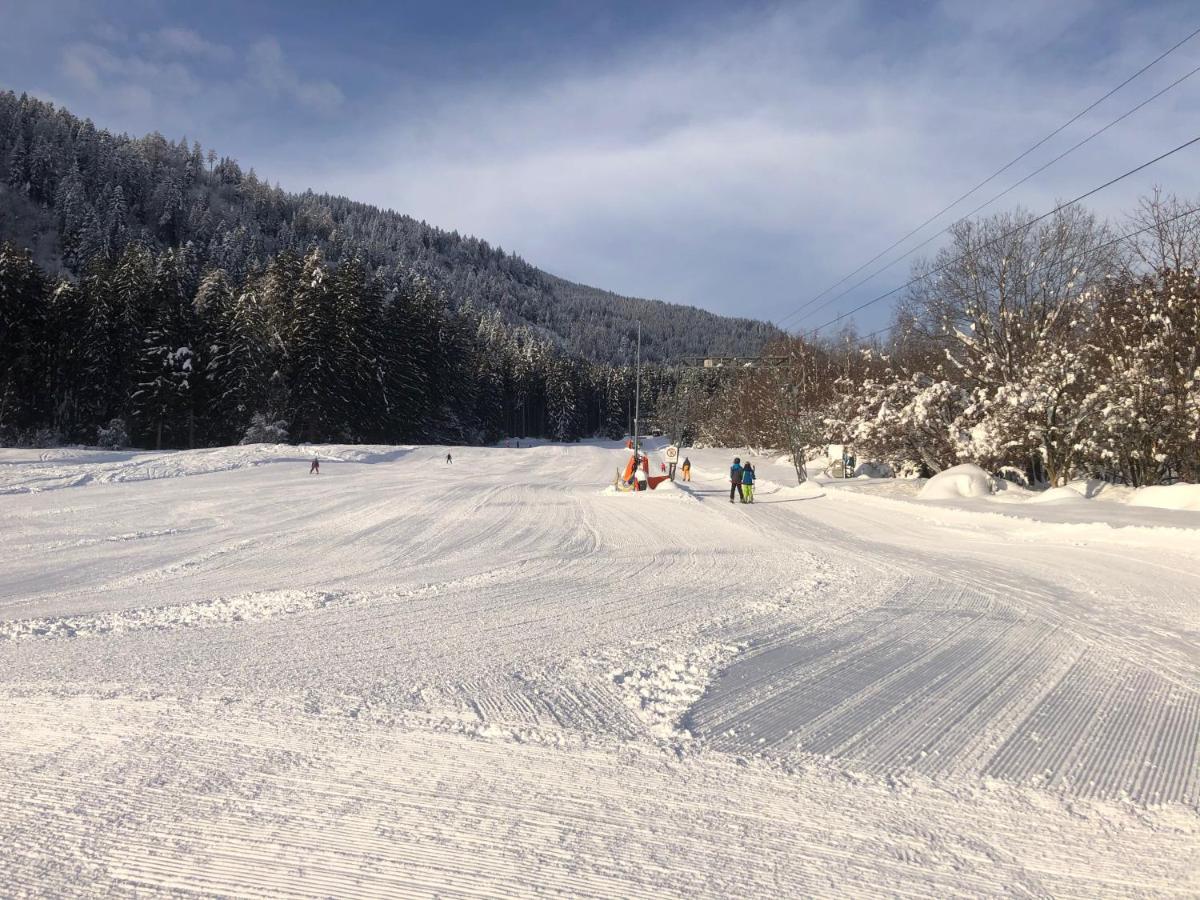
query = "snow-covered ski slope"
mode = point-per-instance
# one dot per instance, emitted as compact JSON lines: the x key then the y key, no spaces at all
{"x":221,"y":675}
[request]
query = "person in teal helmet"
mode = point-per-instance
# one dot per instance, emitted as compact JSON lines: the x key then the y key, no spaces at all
{"x":747,"y":482}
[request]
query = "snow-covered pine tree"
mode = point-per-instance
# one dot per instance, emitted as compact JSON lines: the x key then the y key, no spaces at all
{"x":357,"y":352}
{"x":162,"y":403}
{"x":212,"y":388}
{"x":24,"y":348}
{"x":319,"y":395}
{"x":275,"y":295}
{"x":80,"y":345}
{"x":562,"y":410}
{"x":409,"y":320}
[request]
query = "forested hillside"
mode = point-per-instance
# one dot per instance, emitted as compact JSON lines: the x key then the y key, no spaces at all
{"x":155,"y":350}
{"x":72,"y":192}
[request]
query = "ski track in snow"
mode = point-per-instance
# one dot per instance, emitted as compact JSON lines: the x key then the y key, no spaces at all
{"x":221,"y":676}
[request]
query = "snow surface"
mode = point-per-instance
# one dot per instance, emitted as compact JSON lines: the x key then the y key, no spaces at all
{"x":966,"y":480}
{"x":1168,"y":496}
{"x":221,"y":675}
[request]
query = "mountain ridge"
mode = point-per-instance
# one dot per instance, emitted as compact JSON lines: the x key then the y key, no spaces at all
{"x":75,"y":191}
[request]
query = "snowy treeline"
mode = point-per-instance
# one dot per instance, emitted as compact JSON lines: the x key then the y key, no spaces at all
{"x":156,"y":349}
{"x":1042,"y":351}
{"x":72,"y":192}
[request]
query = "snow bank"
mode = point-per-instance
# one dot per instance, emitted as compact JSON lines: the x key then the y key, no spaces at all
{"x":1168,"y":496}
{"x":966,"y":480}
{"x":1175,"y":496}
{"x":665,"y":490}
{"x":250,"y":607}
{"x":1056,"y":495}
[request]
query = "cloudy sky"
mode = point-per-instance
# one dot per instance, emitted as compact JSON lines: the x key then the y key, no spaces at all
{"x":736,"y":156}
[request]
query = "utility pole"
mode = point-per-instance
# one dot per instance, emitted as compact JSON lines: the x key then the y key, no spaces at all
{"x":637,"y":398}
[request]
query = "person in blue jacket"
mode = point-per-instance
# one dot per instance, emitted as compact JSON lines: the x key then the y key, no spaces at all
{"x":735,"y":479}
{"x":747,"y":483}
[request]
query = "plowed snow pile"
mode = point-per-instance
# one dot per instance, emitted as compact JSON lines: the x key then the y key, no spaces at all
{"x":1168,"y":496}
{"x":967,"y":480}
{"x":220,"y":675}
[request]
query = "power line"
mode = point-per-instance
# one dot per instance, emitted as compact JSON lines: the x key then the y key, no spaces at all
{"x":1096,"y":249}
{"x":929,"y":240}
{"x":1075,"y":118}
{"x":1009,"y":233}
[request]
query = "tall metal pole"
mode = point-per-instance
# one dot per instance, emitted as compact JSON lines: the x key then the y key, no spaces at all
{"x":637,"y":395}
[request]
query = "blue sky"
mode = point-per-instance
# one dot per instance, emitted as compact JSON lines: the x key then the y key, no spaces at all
{"x":735,"y":156}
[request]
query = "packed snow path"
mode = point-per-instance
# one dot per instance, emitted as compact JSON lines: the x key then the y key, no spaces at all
{"x":494,"y":677}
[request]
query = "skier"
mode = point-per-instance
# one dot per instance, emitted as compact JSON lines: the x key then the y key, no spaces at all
{"x":687,"y":469}
{"x":315,"y":468}
{"x":735,"y":479}
{"x":747,"y":483}
{"x":662,"y":467}
{"x":449,"y":459}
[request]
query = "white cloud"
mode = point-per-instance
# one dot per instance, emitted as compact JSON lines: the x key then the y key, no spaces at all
{"x":185,"y":42}
{"x":760,"y":162}
{"x":95,"y":67}
{"x":175,"y":81}
{"x":741,"y":161}
{"x":270,"y":71}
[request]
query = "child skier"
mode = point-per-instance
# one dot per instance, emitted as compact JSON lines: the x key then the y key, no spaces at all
{"x":735,"y":479}
{"x":449,"y":459}
{"x":315,"y":468}
{"x":747,"y":483}
{"x":687,"y":469}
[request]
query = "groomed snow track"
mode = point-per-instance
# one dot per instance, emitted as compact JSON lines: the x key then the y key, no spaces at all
{"x":947,"y":681}
{"x":222,"y":677}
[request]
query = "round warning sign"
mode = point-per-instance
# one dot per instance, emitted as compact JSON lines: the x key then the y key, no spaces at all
{"x":672,"y":453}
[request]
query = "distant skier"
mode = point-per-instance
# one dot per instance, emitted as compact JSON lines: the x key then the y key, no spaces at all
{"x":735,"y":479}
{"x":315,"y":468}
{"x":747,"y":483}
{"x":449,"y":459}
{"x":687,"y":469}
{"x":662,"y":467}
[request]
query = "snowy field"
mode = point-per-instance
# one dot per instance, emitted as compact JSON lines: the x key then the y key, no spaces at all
{"x":220,"y":675}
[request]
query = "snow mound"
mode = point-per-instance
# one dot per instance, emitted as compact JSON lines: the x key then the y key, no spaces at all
{"x":1057,"y":495}
{"x":1168,"y":496}
{"x":1093,"y":488}
{"x":660,"y":686}
{"x":250,"y":607}
{"x":966,"y":480}
{"x":666,"y":489}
